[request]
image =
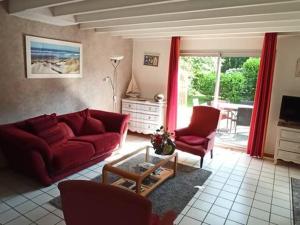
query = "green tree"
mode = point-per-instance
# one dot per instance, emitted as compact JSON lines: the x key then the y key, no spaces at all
{"x":250,"y":71}
{"x":232,"y":85}
{"x":232,"y":63}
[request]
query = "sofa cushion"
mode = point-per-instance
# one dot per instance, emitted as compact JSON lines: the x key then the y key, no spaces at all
{"x":76,"y":120}
{"x":192,"y":140}
{"x":68,"y":132}
{"x":71,"y":154}
{"x":102,"y":142}
{"x":42,"y":122}
{"x":92,"y":126}
{"x":46,"y":127}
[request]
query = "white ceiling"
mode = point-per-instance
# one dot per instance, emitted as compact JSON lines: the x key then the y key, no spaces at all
{"x":165,"y":18}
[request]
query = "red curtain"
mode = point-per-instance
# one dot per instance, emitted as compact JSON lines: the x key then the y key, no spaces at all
{"x":173,"y":85}
{"x":262,"y":96}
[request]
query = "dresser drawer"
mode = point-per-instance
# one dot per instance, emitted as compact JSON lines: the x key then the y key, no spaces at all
{"x":289,"y":146}
{"x":128,"y":105}
{"x":288,"y":156}
{"x":290,"y":135}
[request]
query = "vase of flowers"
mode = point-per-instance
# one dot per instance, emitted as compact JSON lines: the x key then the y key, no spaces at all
{"x":162,"y":143}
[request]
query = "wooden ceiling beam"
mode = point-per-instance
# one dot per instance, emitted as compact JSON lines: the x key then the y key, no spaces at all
{"x":212,"y":14}
{"x":104,"y":5}
{"x":210,"y":28}
{"x":242,"y":20}
{"x":173,"y":8}
{"x":15,"y":6}
{"x":214,"y":33}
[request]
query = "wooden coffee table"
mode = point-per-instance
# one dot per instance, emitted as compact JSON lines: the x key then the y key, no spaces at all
{"x":142,"y":180}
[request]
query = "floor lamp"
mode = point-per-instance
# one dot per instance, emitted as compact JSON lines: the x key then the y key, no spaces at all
{"x":115,"y":61}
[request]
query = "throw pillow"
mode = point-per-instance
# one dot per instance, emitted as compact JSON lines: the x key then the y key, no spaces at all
{"x":92,"y":126}
{"x":46,"y":127}
{"x":76,"y":120}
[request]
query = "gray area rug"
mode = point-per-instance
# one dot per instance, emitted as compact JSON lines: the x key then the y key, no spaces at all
{"x":174,"y":194}
{"x":296,"y":200}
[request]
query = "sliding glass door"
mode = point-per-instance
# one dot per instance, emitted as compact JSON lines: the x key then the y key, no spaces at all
{"x":227,"y":83}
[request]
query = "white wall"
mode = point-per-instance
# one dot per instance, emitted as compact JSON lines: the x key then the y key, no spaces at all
{"x":285,"y":82}
{"x":152,"y":80}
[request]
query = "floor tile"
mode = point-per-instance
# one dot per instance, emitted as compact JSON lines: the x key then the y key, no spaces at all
{"x":214,"y":220}
{"x":223,"y":203}
{"x":8,"y":216}
{"x":261,"y":205}
{"x":260,"y":214}
{"x":279,"y":220}
{"x":207,"y":197}
{"x":26,"y":207}
{"x":238,"y":217}
{"x":189,"y":221}
{"x":227,"y":195}
{"x":256,"y":221}
{"x":37,"y":213}
{"x":281,"y":211}
{"x":49,"y":219}
{"x":219,"y":211}
{"x":244,"y":200}
{"x":205,"y":206}
{"x":19,"y":221}
{"x":196,"y":214}
{"x":241,"y":208}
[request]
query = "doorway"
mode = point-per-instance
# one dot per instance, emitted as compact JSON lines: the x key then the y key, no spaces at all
{"x":225,"y":82}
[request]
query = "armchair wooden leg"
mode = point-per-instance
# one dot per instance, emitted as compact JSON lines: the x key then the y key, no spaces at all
{"x":211,"y":154}
{"x":201,"y":161}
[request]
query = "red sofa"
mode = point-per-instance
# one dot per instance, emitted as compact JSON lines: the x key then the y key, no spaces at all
{"x":50,"y":147}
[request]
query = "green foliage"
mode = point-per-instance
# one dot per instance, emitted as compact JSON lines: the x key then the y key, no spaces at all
{"x":250,"y":71}
{"x":238,"y":79}
{"x":232,"y":86}
{"x":204,"y":83}
{"x":232,"y":63}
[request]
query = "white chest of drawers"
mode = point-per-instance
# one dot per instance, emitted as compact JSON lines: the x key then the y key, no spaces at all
{"x":287,"y":144}
{"x":145,"y":116}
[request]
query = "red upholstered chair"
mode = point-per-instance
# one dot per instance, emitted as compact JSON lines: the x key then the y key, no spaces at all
{"x":198,"y":137}
{"x":87,"y":202}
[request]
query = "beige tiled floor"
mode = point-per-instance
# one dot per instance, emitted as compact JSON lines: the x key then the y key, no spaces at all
{"x":241,"y":190}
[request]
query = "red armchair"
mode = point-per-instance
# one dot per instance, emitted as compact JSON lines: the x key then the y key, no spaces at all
{"x":198,"y":137}
{"x":87,"y":202}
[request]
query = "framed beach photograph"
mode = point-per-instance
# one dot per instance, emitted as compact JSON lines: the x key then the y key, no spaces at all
{"x":151,"y":59}
{"x":49,"y":58}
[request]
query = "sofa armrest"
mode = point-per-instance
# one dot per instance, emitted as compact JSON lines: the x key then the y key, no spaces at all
{"x":182,"y":132}
{"x":114,"y":122}
{"x":18,"y":140}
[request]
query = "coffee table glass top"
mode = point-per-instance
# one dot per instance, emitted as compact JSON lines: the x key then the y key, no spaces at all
{"x":141,"y":161}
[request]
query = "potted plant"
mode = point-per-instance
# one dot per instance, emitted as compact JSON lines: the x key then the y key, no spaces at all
{"x":162,"y":142}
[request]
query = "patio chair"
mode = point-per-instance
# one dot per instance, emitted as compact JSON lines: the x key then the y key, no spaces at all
{"x":88,"y":202}
{"x":198,"y":137}
{"x":243,"y":118}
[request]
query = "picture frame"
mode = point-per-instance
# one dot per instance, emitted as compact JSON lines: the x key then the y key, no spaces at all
{"x":151,"y":59}
{"x":50,"y":58}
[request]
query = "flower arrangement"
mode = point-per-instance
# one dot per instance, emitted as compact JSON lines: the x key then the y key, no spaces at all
{"x":162,"y":143}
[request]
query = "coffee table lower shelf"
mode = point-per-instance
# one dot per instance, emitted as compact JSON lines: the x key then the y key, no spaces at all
{"x":146,"y":189}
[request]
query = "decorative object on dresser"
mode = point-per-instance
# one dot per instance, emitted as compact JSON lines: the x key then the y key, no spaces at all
{"x":287,"y":143}
{"x":133,"y":89}
{"x":159,"y":97}
{"x":145,"y":115}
